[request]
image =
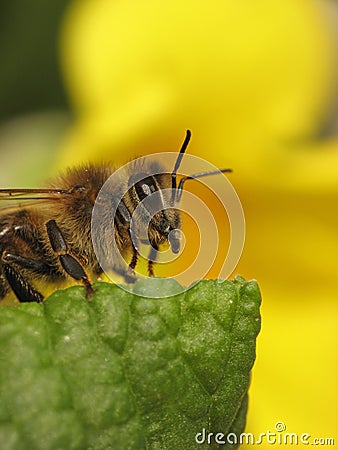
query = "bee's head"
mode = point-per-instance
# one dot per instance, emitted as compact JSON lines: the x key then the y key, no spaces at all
{"x":153,"y":199}
{"x":155,"y":220}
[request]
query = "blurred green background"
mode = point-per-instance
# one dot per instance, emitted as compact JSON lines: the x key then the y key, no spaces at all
{"x":34,"y":110}
{"x":257,"y":84}
{"x":30,"y":76}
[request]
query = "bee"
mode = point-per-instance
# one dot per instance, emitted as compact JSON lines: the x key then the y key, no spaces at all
{"x":48,"y":234}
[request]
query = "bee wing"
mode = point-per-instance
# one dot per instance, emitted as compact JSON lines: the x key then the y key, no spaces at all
{"x":32,"y":194}
{"x":29,"y":197}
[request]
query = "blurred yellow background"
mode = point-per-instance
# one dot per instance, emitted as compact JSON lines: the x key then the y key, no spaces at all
{"x":257,"y":85}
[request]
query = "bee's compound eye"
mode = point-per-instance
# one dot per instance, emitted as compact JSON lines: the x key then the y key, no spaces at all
{"x":145,"y":187}
{"x":174,"y":240}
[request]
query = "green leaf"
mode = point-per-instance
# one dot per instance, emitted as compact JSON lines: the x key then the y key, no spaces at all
{"x":127,"y":372}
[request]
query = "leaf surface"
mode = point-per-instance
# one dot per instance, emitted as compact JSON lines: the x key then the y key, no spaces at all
{"x":127,"y":372}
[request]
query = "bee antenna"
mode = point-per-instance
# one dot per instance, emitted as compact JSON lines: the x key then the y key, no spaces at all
{"x":178,"y":163}
{"x":194,"y":177}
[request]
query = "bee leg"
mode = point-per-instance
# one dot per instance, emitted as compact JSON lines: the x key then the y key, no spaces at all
{"x":69,"y":263}
{"x":3,"y":287}
{"x":133,"y":261}
{"x":152,"y":259}
{"x":128,"y":278}
{"x":20,"y":286}
{"x":38,"y":267}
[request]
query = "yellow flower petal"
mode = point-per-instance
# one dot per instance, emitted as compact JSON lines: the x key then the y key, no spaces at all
{"x":253,"y":81}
